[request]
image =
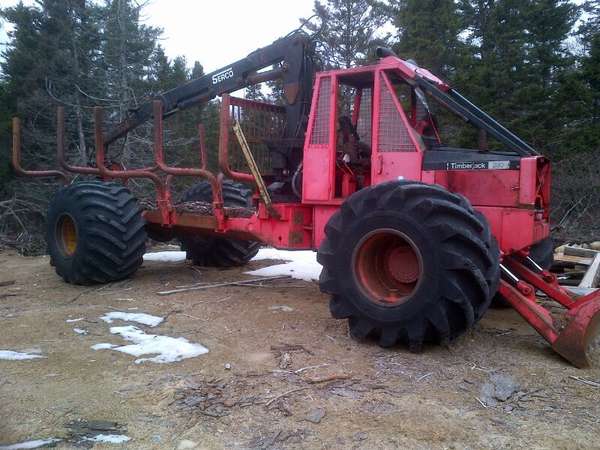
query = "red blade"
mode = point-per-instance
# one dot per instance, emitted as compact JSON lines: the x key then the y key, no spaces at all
{"x":579,"y":341}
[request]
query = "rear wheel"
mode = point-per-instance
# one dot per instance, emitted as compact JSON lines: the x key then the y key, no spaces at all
{"x":95,"y":233}
{"x":217,"y":251}
{"x":409,"y":262}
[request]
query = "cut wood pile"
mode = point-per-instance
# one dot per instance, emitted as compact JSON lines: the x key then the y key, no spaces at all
{"x":577,"y":266}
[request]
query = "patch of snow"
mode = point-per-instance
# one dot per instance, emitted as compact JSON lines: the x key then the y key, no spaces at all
{"x":283,"y":308}
{"x":301,"y":264}
{"x":168,"y":256}
{"x":75,"y":320}
{"x":80,"y":331}
{"x":108,"y":438}
{"x":144,"y":319}
{"x":30,"y":444}
{"x":167,"y":349}
{"x":103,"y":346}
{"x":17,"y":356}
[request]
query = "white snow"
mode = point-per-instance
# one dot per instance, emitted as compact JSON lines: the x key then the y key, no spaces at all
{"x":30,"y":444}
{"x":80,"y":331}
{"x":144,"y":319}
{"x":17,"y":356}
{"x":75,"y":320}
{"x":167,"y":256}
{"x":167,"y":349}
{"x":302,"y":264}
{"x":108,"y":438}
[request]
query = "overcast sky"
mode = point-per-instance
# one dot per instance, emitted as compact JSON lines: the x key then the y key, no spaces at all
{"x":217,"y":32}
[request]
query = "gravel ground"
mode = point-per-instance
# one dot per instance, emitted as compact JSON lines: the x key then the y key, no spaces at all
{"x":280,"y":373}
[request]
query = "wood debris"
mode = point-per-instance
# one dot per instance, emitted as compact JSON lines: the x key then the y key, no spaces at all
{"x":202,"y":286}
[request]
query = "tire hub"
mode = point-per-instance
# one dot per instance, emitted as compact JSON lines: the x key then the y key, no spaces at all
{"x":387,"y":266}
{"x":66,"y":234}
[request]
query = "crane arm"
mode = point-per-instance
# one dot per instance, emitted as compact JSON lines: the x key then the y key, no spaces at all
{"x":294,"y":52}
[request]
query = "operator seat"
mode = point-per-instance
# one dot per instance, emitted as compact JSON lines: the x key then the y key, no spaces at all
{"x":349,"y":143}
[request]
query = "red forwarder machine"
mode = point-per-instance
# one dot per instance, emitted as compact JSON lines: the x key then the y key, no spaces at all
{"x":415,"y":237}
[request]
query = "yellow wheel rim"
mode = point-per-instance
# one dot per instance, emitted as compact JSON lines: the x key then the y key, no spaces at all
{"x":67,"y":234}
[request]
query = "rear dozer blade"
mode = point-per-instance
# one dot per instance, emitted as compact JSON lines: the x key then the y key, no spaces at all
{"x":578,"y":341}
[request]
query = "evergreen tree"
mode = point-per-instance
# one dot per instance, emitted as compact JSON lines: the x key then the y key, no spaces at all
{"x":80,"y":53}
{"x":590,"y":29}
{"x":347,"y":31}
{"x":50,"y":62}
{"x":518,"y":57}
{"x":128,"y":46}
{"x":590,"y":34}
{"x":428,"y":32}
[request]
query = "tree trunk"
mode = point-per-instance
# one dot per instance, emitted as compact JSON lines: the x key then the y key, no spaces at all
{"x":124,"y":103}
{"x":83,"y":156}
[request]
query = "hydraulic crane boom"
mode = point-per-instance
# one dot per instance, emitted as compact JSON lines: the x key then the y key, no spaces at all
{"x":293,"y":52}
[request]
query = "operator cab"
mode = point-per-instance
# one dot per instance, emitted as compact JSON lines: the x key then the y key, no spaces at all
{"x":377,"y":123}
{"x":366,"y":126}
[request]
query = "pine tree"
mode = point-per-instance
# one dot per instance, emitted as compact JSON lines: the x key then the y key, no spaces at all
{"x":79,"y":53}
{"x":347,"y":31}
{"x":518,"y":57}
{"x":590,"y":36}
{"x":50,"y":62}
{"x":428,"y":32}
{"x":128,"y":47}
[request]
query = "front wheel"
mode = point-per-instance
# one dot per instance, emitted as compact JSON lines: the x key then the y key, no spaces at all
{"x":408,"y":262}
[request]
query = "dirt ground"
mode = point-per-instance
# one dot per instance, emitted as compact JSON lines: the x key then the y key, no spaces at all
{"x":280,"y":372}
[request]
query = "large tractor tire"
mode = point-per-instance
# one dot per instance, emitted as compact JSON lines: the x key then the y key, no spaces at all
{"x":95,"y":233}
{"x":408,"y":262}
{"x":217,"y":251}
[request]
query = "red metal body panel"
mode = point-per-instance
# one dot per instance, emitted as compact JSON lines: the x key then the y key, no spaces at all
{"x":515,"y":228}
{"x":483,"y":187}
{"x":292,"y":230}
{"x":528,"y":181}
{"x":321,"y":215}
{"x":319,"y":147}
{"x":511,"y":200}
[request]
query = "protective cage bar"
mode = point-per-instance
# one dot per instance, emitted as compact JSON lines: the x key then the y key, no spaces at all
{"x":254,"y":116}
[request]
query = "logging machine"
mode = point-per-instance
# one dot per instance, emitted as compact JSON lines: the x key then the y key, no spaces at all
{"x":416,"y":238}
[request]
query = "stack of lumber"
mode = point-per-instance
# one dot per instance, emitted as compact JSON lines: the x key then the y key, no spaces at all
{"x":578,"y":265}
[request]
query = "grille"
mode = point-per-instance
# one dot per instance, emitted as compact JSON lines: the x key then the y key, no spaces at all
{"x":320,"y":131}
{"x":260,"y":123}
{"x":393,"y":135}
{"x":363,"y":127}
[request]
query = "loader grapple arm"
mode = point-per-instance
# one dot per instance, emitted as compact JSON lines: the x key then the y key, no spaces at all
{"x":293,"y":52}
